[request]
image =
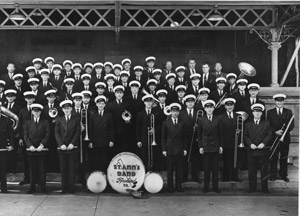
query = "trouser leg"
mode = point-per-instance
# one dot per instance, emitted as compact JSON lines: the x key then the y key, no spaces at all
{"x":206,"y":167}
{"x":215,"y":167}
{"x":170,"y":171}
{"x":178,"y":170}
{"x":71,"y":172}
{"x":3,"y":171}
{"x":264,"y":172}
{"x":284,"y":153}
{"x":252,"y":172}
{"x":42,"y":171}
{"x":64,"y":171}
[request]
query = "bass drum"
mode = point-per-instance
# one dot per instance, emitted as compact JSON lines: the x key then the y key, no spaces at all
{"x":126,"y":172}
{"x":153,"y":182}
{"x":96,"y":182}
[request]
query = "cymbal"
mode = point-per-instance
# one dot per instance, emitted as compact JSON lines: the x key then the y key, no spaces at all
{"x":247,"y":69}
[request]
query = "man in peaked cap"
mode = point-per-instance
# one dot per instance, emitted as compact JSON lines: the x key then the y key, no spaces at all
{"x":241,"y":94}
{"x":19,"y":87}
{"x":150,"y":62}
{"x":68,"y":65}
{"x":45,"y":84}
{"x":170,"y":87}
{"x":257,"y":137}
{"x":49,"y":61}
{"x":231,"y":83}
{"x":278,"y":116}
{"x":174,"y":146}
{"x":194,"y":85}
{"x":67,"y":93}
{"x":37,"y":63}
{"x":127,"y":65}
{"x":56,"y":77}
{"x":219,"y":94}
{"x":181,"y":78}
{"x":98,"y":76}
{"x":36,"y":136}
{"x":139,"y":76}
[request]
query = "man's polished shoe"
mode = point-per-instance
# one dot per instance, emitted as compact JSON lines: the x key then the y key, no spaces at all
{"x":286,"y":179}
{"x":217,"y":191}
{"x":205,"y":190}
{"x":250,"y":191}
{"x":31,"y":191}
{"x":179,"y":190}
{"x":24,"y":182}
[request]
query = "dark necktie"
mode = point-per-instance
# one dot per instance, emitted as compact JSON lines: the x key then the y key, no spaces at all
{"x":190,"y":113}
{"x":256,"y":122}
{"x":175,"y":121}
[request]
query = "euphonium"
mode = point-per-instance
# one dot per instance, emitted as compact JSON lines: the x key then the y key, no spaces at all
{"x":13,"y":117}
{"x":126,"y":116}
{"x":53,"y":112}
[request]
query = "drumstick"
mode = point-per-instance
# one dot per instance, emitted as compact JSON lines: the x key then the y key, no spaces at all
{"x":44,"y":149}
{"x":3,"y":150}
{"x":75,"y":147}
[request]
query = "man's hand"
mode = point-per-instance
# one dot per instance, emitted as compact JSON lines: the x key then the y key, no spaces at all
{"x":63,"y":147}
{"x":220,"y":150}
{"x":40,"y":148}
{"x":111,"y":144}
{"x":10,"y":148}
{"x":31,"y":148}
{"x":20,"y":142}
{"x":71,"y":146}
{"x":139,"y":144}
{"x":252,"y":146}
{"x":260,"y":146}
{"x":165,"y":153}
{"x":184,"y":152}
{"x":279,"y":132}
{"x":82,"y":127}
{"x":195,"y":126}
{"x":201,"y":150}
{"x":90,"y":145}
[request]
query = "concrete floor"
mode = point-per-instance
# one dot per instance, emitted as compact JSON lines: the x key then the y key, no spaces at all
{"x":177,"y":204}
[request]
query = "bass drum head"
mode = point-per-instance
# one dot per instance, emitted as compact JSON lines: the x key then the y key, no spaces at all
{"x":126,"y":171}
{"x":96,"y":182}
{"x":153,"y":182}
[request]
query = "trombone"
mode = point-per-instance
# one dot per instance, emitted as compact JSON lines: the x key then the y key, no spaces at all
{"x":281,"y":139}
{"x":151,"y":140}
{"x":242,"y":117}
{"x":200,"y":114}
{"x":84,"y":123}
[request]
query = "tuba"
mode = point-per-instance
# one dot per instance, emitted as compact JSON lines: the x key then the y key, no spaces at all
{"x":13,"y":117}
{"x":126,"y":116}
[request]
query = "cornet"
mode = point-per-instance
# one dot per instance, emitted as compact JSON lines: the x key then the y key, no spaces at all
{"x":126,"y":116}
{"x":53,"y":112}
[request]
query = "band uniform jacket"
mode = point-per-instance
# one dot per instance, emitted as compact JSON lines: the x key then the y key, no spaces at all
{"x":209,"y":83}
{"x":36,"y":133}
{"x":240,"y":99}
{"x":24,"y":116}
{"x":227,"y":133}
{"x":189,"y":122}
{"x":256,"y":134}
{"x":45,"y":88}
{"x":247,"y":108}
{"x":6,"y":133}
{"x":101,"y":129}
{"x":174,"y":137}
{"x":209,"y":134}
{"x":193,"y":89}
{"x":66,"y":133}
{"x":277,"y":122}
{"x":57,"y":83}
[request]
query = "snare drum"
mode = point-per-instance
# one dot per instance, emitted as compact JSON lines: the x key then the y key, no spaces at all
{"x":96,"y":182}
{"x":126,"y":171}
{"x":153,"y":182}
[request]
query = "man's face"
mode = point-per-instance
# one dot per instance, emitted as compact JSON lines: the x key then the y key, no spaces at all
{"x":138,"y":73}
{"x":157,"y":76}
{"x":203,"y":97}
{"x":174,"y":113}
{"x":253,"y":92}
{"x":51,"y":99}
{"x":50,"y":64}
{"x":117,"y":71}
{"x":229,"y":107}
{"x":134,"y":89}
{"x":180,"y":74}
{"x":110,"y":82}
{"x":190,"y":104}
{"x":101,"y":105}
{"x":257,"y":114}
{"x":37,"y":65}
{"x":242,"y":87}
{"x":67,"y":110}
{"x":18,"y":82}
{"x":218,"y":67}
{"x":152,"y":87}
{"x":148,"y":104}
{"x":45,"y":77}
{"x":77,"y":71}
{"x":124,"y":79}
{"x":11,"y":68}
{"x":88,"y":70}
{"x":127,"y":66}
{"x":162,"y":99}
{"x":279,"y":103}
{"x":169,"y":65}
{"x":57,"y":72}
{"x":68,"y":67}
{"x":77,"y":102}
{"x":205,"y":68}
{"x":69,"y":86}
{"x":192,"y":64}
{"x":29,"y":100}
{"x":221,"y":85}
{"x":119,"y":94}
{"x":36,"y":113}
{"x":31,"y":74}
{"x":171,"y":81}
{"x":86,"y":99}
{"x":10,"y":98}
{"x":98,"y":70}
{"x":231,"y":80}
{"x":100,"y":91}
{"x":150,"y":64}
{"x":107,"y":69}
{"x":1,"y":89}
{"x":209,"y":109}
{"x":181,"y":93}
{"x":195,"y":82}
{"x":86,"y":81}
{"x":34,"y":86}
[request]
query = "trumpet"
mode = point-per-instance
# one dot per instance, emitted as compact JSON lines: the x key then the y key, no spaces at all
{"x":200,"y":114}
{"x":126,"y":116}
{"x":8,"y":114}
{"x":220,"y":102}
{"x":84,"y":122}
{"x":281,"y":139}
{"x":242,"y":117}
{"x":53,"y":112}
{"x":147,"y":93}
{"x":151,"y":140}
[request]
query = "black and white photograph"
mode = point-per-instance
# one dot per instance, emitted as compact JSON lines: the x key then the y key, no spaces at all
{"x":139,"y":107}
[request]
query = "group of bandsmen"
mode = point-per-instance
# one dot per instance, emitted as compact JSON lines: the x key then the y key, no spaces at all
{"x":75,"y":118}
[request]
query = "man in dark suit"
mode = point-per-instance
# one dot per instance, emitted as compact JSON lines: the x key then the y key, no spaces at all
{"x":253,"y":91}
{"x":181,"y":79}
{"x":168,"y":69}
{"x":101,"y":132}
{"x":45,"y":84}
{"x":99,"y":76}
{"x":67,"y":132}
{"x":150,"y":62}
{"x":34,"y":84}
{"x":36,"y":135}
{"x":68,"y":73}
{"x":67,"y":94}
{"x":277,"y":117}
{"x":228,"y":125}
{"x":257,"y":137}
{"x":189,"y":116}
{"x":174,"y":146}
{"x":210,"y":145}
{"x":77,"y":68}
{"x":191,"y":69}
{"x":6,"y":134}
{"x":241,"y":94}
{"x":170,"y":87}
{"x":8,"y":78}
{"x":19,"y":87}
{"x":138,"y":76}
{"x":231,"y":85}
{"x":181,"y":92}
{"x":202,"y":96}
{"x":195,"y":84}
{"x":56,"y":78}
{"x":24,"y":116}
{"x":208,"y":79}
{"x":218,"y":95}
{"x":218,"y":71}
